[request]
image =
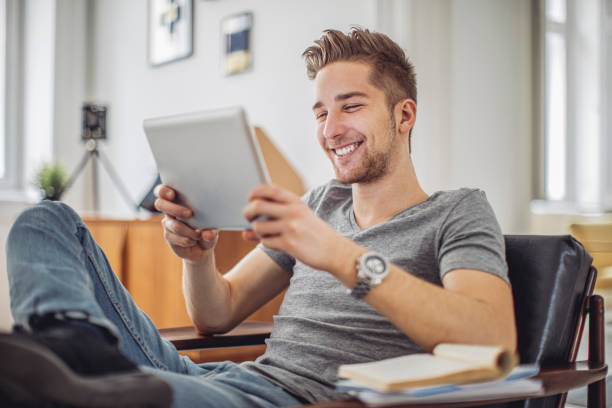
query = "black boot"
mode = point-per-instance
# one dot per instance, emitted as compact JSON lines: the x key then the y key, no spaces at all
{"x":66,"y":362}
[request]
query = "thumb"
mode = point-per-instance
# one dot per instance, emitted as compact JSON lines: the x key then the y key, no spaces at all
{"x":209,"y":238}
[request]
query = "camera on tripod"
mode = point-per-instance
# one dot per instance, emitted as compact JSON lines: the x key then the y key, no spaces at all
{"x":93,"y":129}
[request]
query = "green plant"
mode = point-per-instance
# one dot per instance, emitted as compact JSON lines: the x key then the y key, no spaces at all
{"x":51,"y":179}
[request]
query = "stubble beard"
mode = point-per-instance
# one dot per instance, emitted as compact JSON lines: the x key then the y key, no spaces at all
{"x":375,"y":164}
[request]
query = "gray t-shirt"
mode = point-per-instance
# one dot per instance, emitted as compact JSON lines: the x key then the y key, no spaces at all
{"x":320,"y":326}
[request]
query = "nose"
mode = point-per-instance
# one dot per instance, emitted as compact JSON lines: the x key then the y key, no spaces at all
{"x":334,"y":126}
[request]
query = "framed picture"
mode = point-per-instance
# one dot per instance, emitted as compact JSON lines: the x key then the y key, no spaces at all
{"x":236,"y":34}
{"x":170,"y":30}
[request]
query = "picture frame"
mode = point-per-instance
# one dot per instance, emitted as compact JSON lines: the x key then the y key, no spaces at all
{"x":170,"y":31}
{"x":236,"y":36}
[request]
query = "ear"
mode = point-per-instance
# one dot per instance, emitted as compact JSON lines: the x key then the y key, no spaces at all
{"x":405,"y":112}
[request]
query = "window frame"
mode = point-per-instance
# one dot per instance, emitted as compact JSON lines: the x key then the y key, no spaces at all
{"x":12,"y":184}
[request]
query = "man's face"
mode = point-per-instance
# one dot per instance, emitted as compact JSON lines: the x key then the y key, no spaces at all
{"x":354,"y":125}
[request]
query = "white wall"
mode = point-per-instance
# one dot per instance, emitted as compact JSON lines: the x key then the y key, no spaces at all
{"x":491,"y":104}
{"x":474,"y":125}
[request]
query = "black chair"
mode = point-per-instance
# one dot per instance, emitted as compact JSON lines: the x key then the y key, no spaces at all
{"x":552,"y":280}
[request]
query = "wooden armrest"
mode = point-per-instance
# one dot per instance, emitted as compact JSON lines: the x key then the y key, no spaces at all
{"x":245,"y":334}
{"x":555,"y":380}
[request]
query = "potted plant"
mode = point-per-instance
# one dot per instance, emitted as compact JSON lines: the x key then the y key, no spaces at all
{"x":51,"y":179}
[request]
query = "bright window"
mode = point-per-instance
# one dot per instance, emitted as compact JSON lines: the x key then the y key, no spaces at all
{"x":577,"y":97}
{"x":556,"y":122}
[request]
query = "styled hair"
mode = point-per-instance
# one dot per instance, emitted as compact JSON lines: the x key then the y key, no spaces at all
{"x":391,"y":71}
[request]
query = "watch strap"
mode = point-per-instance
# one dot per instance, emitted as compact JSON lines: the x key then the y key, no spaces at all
{"x":361,"y":288}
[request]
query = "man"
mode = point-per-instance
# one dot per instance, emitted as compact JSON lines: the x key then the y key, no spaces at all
{"x":374,"y":267}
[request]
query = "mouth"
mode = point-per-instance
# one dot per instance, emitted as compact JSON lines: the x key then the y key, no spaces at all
{"x":346,"y":150}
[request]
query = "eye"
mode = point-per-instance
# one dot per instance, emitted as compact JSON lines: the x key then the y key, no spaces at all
{"x":320,"y":115}
{"x":352,"y":107}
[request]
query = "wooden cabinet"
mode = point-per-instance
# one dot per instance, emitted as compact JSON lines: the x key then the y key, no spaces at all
{"x":148,"y":268}
{"x":150,"y":271}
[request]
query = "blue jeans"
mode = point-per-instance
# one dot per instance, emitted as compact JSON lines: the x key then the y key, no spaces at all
{"x":54,"y":264}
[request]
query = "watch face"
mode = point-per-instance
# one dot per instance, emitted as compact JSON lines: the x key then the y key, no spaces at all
{"x":376,"y":265}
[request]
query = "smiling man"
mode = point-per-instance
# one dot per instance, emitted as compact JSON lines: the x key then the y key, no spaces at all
{"x":374,"y":267}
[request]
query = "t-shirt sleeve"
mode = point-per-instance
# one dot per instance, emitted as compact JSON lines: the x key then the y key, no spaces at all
{"x":284,"y":260}
{"x":471,"y":238}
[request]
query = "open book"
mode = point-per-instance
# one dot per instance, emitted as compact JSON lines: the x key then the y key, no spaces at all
{"x":520,"y":382}
{"x":449,"y":364}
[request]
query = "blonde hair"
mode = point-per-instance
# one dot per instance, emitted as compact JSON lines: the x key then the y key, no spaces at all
{"x":391,"y":70}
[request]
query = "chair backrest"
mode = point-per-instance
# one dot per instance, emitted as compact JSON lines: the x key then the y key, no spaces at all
{"x":551,"y":278}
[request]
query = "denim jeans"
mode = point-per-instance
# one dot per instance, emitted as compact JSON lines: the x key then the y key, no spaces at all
{"x":54,"y":264}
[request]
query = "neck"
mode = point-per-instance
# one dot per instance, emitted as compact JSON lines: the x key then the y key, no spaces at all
{"x":378,"y":201}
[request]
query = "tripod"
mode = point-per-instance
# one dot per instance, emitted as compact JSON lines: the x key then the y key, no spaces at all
{"x":94,"y":154}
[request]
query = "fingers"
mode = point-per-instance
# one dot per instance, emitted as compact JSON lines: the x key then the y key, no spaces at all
{"x":163,"y":191}
{"x":264,"y":229}
{"x":179,"y":228}
{"x":272,"y":192}
{"x":209,"y":235}
{"x":173,"y":209}
{"x":164,"y":202}
{"x":179,"y":240}
{"x":208,"y":238}
{"x":260,"y":208}
{"x":179,"y":234}
{"x":250,"y":235}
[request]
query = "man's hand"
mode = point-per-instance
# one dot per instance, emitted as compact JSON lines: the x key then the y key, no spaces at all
{"x":291,"y":227}
{"x":187,"y":243}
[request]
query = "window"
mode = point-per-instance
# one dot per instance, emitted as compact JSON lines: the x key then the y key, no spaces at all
{"x":577,"y":99}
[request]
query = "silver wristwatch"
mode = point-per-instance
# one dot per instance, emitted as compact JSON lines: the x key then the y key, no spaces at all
{"x":372,"y":268}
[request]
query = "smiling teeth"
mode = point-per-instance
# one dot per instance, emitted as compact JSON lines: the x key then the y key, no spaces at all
{"x":346,"y":150}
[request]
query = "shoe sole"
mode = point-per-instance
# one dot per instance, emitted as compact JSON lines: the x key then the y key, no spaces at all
{"x":30,"y":373}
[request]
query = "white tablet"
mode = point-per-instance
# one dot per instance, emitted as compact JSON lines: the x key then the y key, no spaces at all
{"x":213,"y":161}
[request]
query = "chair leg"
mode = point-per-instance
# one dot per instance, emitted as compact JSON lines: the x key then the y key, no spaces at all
{"x":597,"y":390}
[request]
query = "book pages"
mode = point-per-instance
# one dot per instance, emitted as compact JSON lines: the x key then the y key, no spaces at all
{"x":485,"y":356}
{"x":412,"y":371}
{"x":451,"y":364}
